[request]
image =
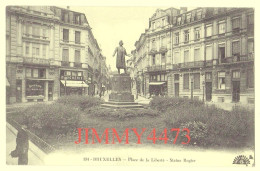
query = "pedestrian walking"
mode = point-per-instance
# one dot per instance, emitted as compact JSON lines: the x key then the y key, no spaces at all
{"x":22,"y":146}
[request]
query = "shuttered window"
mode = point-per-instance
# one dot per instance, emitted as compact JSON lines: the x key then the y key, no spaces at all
{"x":77,"y":37}
{"x":250,"y":78}
{"x":177,"y":58}
{"x":65,"y":55}
{"x":235,"y":23}
{"x":186,"y":56}
{"x":77,"y":56}
{"x":197,"y":81}
{"x":196,"y":54}
{"x":236,"y":48}
{"x":208,"y":52}
{"x":65,"y":34}
{"x":185,"y":81}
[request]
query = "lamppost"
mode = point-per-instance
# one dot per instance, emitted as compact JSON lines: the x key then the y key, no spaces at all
{"x":65,"y":78}
{"x":192,"y":79}
{"x":203,"y":86}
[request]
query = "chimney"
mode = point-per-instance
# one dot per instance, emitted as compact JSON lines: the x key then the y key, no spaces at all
{"x":183,"y":10}
{"x":68,"y":7}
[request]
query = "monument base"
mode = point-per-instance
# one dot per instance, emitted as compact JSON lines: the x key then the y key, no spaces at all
{"x":121,"y":96}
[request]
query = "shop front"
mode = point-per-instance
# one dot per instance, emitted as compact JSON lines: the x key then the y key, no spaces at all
{"x":35,"y":90}
{"x":158,"y":84}
{"x":72,"y":83}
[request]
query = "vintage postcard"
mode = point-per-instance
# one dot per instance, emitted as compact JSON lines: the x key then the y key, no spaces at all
{"x":130,"y":85}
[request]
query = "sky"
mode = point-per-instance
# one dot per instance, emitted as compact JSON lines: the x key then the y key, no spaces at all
{"x":112,"y":24}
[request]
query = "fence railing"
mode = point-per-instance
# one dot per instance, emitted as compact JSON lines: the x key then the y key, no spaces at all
{"x":45,"y":147}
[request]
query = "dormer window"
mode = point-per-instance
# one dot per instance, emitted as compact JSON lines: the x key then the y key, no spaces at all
{"x":163,"y":22}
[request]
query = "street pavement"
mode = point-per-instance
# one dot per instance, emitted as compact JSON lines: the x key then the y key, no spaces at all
{"x":35,"y":155}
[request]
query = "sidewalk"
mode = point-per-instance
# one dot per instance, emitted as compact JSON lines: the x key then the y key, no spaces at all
{"x":35,"y":155}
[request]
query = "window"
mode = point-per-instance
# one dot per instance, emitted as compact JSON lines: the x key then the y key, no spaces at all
{"x":186,"y":81}
{"x":250,"y":46}
{"x":65,"y":55}
{"x":42,"y":73}
{"x":153,"y":59}
{"x":77,"y":19}
{"x":199,"y":14}
{"x":221,"y":80}
{"x":44,"y":33}
{"x":177,"y":57}
{"x":163,"y":41}
{"x":36,"y":31}
{"x":235,"y":48}
{"x":163,"y":77}
{"x":186,"y":35}
{"x":36,"y":73}
{"x":44,"y":51}
{"x":236,"y":23}
{"x":197,"y":33}
{"x":197,"y":54}
{"x":197,"y":81}
{"x":163,"y":22}
{"x":28,"y":72}
{"x":188,"y":17}
{"x":208,"y":53}
{"x":73,"y":75}
{"x":186,"y":56}
{"x":250,"y":78}
{"x":251,"y":19}
{"x":66,"y":35}
{"x":176,"y":77}
{"x":208,"y":76}
{"x":236,"y":74}
{"x":36,"y":50}
{"x":158,"y":24}
{"x":77,"y":56}
{"x":27,"y":29}
{"x":179,"y":21}
{"x":221,"y":27}
{"x":27,"y":49}
{"x":34,"y":88}
{"x":163,"y":59}
{"x":209,"y":31}
{"x":176,"y":38}
{"x":154,"y":44}
{"x":77,"y":37}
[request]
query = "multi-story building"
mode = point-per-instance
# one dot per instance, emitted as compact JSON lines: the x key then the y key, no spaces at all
{"x":205,"y":53}
{"x":47,"y":53}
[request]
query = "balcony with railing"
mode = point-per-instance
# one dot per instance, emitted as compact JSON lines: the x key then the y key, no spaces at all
{"x":192,"y":64}
{"x":156,"y":68}
{"x":77,"y":65}
{"x":36,"y":61}
{"x":65,"y":63}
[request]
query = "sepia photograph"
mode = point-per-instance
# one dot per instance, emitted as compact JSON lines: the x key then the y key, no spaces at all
{"x":163,"y":85}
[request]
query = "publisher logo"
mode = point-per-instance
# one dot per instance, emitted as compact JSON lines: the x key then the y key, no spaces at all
{"x":242,"y":160}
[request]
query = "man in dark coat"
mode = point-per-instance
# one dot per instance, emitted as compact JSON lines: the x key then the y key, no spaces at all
{"x":120,"y":59}
{"x":22,"y":146}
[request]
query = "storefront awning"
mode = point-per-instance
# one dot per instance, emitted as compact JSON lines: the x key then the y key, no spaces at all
{"x":70,"y":83}
{"x":156,"y":83}
{"x":7,"y":83}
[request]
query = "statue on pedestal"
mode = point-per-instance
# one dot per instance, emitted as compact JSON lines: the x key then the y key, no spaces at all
{"x":120,"y":59}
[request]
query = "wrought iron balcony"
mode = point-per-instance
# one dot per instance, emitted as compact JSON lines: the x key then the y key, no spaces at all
{"x":65,"y":63}
{"x":78,"y":65}
{"x":156,"y":68}
{"x":192,"y":64}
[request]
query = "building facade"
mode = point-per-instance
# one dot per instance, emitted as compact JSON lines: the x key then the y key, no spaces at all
{"x":47,"y":53}
{"x":205,"y":53}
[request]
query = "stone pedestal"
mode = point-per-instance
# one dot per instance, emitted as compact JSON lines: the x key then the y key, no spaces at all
{"x":121,"y":89}
{"x":121,"y":95}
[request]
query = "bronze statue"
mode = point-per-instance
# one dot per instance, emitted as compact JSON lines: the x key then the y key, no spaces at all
{"x":120,"y":59}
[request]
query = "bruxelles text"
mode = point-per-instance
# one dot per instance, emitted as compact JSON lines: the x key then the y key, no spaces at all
{"x":125,"y":136}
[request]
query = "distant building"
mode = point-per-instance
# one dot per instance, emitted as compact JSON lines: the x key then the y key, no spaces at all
{"x":48,"y":53}
{"x":205,"y":53}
